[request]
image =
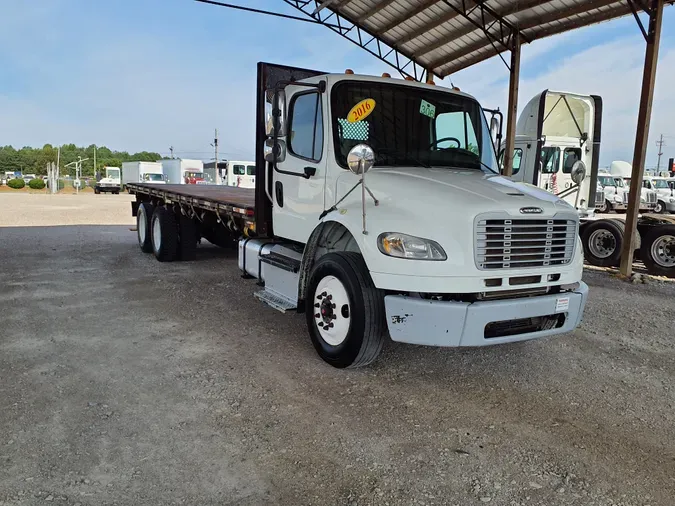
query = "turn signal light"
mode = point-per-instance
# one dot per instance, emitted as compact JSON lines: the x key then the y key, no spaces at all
{"x":386,"y":74}
{"x":349,"y":71}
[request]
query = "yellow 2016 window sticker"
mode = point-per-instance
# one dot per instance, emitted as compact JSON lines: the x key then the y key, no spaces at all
{"x":361,"y":110}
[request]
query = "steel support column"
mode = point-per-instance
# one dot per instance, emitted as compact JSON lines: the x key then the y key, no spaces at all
{"x":653,"y":37}
{"x":512,"y":111}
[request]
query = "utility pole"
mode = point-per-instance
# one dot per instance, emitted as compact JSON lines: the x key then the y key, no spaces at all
{"x":171,"y":149}
{"x":660,"y":143}
{"x":94,"y":159}
{"x":215,"y":163}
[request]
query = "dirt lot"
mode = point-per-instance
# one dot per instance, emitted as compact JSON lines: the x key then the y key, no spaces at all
{"x":126,"y":381}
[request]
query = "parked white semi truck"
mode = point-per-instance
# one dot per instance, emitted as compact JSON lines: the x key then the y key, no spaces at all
{"x":558,"y":138}
{"x":378,"y":209}
{"x":111,"y":183}
{"x":142,"y":172}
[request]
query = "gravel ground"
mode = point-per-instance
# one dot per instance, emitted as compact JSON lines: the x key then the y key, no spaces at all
{"x":126,"y":381}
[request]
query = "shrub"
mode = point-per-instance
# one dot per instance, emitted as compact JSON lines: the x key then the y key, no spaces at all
{"x":36,"y":184}
{"x":16,"y":183}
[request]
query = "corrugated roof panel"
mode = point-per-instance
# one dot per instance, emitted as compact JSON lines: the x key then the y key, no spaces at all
{"x":442,"y":34}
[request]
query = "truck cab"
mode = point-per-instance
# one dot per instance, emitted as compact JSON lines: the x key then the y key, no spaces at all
{"x":615,"y":193}
{"x":111,"y":183}
{"x":240,"y":174}
{"x":664,"y":193}
{"x":394,"y":185}
{"x":555,"y":131}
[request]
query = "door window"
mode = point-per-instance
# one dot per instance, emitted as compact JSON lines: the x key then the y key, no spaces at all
{"x":517,"y":160}
{"x":550,"y":160}
{"x":306,"y":127}
{"x":570,"y":157}
{"x":238,"y":170}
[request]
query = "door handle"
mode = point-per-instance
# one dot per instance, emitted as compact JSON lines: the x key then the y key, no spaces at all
{"x":309,"y":172}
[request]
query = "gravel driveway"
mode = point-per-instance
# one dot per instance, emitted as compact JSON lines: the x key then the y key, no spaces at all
{"x":125,"y":381}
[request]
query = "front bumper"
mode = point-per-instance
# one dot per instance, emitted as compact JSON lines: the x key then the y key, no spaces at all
{"x":104,"y":189}
{"x":441,"y":323}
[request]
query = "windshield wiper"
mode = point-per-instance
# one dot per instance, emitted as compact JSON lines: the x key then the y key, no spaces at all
{"x":404,"y":157}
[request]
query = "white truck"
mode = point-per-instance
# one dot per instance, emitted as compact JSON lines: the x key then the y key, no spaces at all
{"x":663,"y":187}
{"x":111,"y":183}
{"x":142,"y":172}
{"x":648,"y":197}
{"x":183,"y":171}
{"x":240,"y":174}
{"x":557,"y":137}
{"x":615,"y":192}
{"x":378,"y":208}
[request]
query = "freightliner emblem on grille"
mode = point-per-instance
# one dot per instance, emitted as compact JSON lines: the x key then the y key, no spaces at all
{"x":531,"y":210}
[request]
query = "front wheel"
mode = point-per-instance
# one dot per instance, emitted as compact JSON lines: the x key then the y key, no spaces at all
{"x":660,"y":207}
{"x":344,"y":311}
{"x":605,"y":208}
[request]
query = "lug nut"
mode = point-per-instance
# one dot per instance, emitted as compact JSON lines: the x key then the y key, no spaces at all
{"x":317,"y":315}
{"x":317,"y":305}
{"x":320,"y":324}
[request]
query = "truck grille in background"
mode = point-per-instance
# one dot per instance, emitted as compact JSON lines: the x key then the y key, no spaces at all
{"x":518,"y":243}
{"x":599,"y":198}
{"x":625,"y":198}
{"x":651,"y":197}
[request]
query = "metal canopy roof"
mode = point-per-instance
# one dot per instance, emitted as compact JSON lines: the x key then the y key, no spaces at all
{"x":444,"y":36}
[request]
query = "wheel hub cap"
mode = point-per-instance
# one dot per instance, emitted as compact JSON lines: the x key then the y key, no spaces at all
{"x":332,"y":310}
{"x":602,"y":243}
{"x":663,"y":251}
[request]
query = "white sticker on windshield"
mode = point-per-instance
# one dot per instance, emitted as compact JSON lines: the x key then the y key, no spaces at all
{"x":427,"y":109}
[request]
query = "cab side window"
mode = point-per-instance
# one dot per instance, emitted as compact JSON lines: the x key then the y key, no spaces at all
{"x":306,"y":126}
{"x":517,"y":159}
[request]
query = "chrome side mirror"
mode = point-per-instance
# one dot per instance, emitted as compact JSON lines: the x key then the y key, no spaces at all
{"x":494,"y":130}
{"x":360,"y":158}
{"x":578,"y":172}
{"x":275,"y":152}
{"x":275,"y":114}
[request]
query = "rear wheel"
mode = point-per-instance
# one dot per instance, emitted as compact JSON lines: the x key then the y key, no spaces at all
{"x":602,"y":241}
{"x":143,"y":224}
{"x":164,"y":235}
{"x":344,"y":311}
{"x":658,"y":250}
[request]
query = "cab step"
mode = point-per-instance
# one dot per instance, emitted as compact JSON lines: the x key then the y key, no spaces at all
{"x":281,"y":261}
{"x":275,"y":301}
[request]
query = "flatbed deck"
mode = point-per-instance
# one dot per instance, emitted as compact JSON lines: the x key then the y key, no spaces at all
{"x":204,"y":196}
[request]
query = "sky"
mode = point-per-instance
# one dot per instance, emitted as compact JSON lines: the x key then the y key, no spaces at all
{"x":147,"y":75}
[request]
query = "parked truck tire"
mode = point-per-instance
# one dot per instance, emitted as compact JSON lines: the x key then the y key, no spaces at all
{"x":344,"y":311}
{"x":658,"y":251}
{"x":143,"y":226}
{"x":164,"y":235}
{"x":187,"y":245}
{"x":602,"y":241}
{"x":660,"y":207}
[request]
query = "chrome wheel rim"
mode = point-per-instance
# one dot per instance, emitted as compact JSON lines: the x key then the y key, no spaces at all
{"x":142,"y":227}
{"x":602,"y":243}
{"x":332,"y":312}
{"x":156,"y":235}
{"x":663,"y":251}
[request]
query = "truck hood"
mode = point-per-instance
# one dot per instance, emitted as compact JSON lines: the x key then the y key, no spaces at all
{"x":469,"y":190}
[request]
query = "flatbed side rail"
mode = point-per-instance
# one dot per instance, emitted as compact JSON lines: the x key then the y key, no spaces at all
{"x":171,"y":197}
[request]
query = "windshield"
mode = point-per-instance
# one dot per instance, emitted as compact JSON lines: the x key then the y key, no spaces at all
{"x":661,"y":183}
{"x":154,"y":177}
{"x":113,"y":173}
{"x":238,"y":170}
{"x":607,"y":181}
{"x":411,"y":126}
{"x":195,"y":175}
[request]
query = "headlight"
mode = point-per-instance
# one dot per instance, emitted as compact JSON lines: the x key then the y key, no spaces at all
{"x":618,"y":199}
{"x":672,"y":201}
{"x":398,"y":245}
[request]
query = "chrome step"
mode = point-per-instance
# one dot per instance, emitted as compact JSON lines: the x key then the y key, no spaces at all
{"x":275,"y":301}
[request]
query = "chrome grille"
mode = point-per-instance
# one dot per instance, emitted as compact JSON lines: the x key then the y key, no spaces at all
{"x":651,"y":197}
{"x":518,"y":243}
{"x":599,"y":198}
{"x":625,"y":197}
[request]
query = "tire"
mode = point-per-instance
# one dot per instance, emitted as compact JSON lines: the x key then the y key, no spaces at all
{"x":606,"y":208}
{"x":97,"y":191}
{"x":660,"y":207}
{"x":164,"y":235}
{"x":602,"y":241}
{"x":187,"y":245}
{"x":143,"y":226}
{"x":622,"y":225}
{"x":358,"y":341}
{"x":658,"y":250}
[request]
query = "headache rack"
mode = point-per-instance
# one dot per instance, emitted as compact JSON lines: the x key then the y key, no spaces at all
{"x":518,"y":243}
